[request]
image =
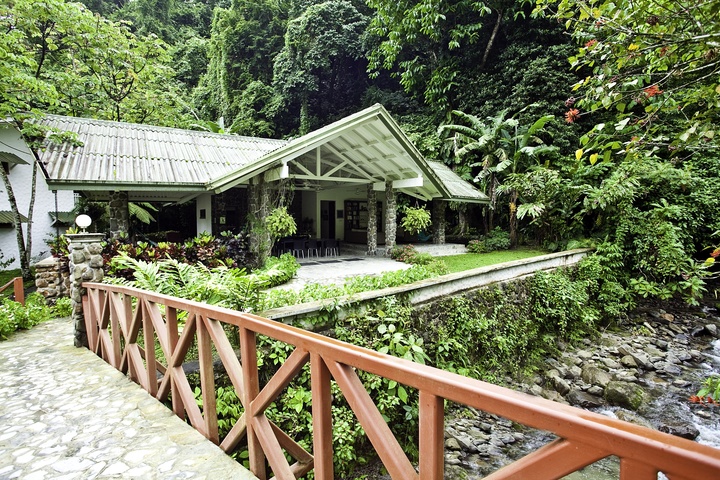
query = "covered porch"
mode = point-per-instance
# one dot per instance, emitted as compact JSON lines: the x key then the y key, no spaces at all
{"x":340,"y":182}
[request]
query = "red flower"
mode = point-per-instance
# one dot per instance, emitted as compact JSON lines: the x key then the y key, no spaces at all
{"x":572,"y":115}
{"x":591,"y":43}
{"x":715,"y":253}
{"x":652,"y":90}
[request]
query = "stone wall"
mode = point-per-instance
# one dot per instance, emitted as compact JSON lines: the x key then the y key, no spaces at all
{"x":52,"y":278}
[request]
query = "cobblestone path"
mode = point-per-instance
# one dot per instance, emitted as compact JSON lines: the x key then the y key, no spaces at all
{"x":66,"y":414}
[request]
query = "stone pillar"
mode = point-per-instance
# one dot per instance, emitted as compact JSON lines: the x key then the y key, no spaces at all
{"x":259,"y":209}
{"x":390,"y":217}
{"x":438,"y":221}
{"x":86,"y":265}
{"x":119,"y":213}
{"x":372,"y":221}
{"x":52,"y":278}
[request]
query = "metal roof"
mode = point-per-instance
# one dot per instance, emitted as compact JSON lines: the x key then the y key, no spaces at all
{"x":459,"y":190}
{"x":161,"y":162}
{"x":6,"y":216}
{"x":169,"y":164}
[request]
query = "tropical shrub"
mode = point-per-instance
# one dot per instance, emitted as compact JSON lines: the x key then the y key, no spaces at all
{"x":496,"y":239}
{"x":14,"y":316}
{"x":416,"y":219}
{"x":408,"y":254}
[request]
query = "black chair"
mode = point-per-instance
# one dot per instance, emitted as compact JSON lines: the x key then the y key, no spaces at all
{"x":298,"y":247}
{"x":313,"y":245}
{"x":331,"y":247}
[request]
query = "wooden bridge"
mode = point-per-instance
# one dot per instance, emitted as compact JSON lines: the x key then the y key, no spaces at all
{"x":125,"y":324}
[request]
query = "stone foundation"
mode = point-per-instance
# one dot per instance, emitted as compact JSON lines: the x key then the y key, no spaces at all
{"x":52,"y":278}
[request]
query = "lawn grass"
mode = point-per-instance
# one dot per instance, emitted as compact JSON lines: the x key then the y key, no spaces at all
{"x":468,"y":261}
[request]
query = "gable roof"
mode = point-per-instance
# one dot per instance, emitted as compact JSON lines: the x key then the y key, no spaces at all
{"x":13,"y":149}
{"x":169,"y":164}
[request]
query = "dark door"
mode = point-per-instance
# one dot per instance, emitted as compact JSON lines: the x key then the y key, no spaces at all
{"x":327,"y":219}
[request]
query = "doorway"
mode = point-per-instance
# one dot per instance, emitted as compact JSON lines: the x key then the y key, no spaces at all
{"x":327,"y":219}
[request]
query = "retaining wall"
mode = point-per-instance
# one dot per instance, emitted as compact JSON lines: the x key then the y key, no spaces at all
{"x":427,"y":290}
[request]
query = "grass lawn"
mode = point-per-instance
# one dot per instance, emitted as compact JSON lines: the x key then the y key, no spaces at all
{"x":468,"y":261}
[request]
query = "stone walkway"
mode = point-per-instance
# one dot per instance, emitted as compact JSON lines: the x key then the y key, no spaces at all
{"x":66,"y":414}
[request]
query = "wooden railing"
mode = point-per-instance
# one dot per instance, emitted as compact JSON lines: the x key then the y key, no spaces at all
{"x":115,"y":317}
{"x":18,"y":289}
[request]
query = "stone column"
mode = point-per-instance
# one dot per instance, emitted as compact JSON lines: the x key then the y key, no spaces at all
{"x":86,"y":265}
{"x":259,"y":209}
{"x":438,"y":221}
{"x":119,"y":213}
{"x":372,"y":221}
{"x":51,"y":278}
{"x":390,"y":217}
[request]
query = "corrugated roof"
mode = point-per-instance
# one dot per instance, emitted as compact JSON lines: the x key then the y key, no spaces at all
{"x":459,"y":190}
{"x":114,"y":154}
{"x":63,"y":218}
{"x":170,"y":164}
{"x":6,"y":216}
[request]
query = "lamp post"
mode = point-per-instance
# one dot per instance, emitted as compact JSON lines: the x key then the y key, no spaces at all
{"x":83,"y":221}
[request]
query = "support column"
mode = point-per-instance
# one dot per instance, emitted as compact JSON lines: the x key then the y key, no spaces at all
{"x":86,"y":265}
{"x":438,"y":221}
{"x":372,"y":221}
{"x":204,"y":213}
{"x":259,"y":208}
{"x":119,"y":214}
{"x":390,"y":217}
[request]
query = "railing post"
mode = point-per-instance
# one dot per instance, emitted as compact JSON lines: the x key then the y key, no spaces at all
{"x":432,"y":427}
{"x":322,"y":418}
{"x":19,"y":288}
{"x":248,"y":352}
{"x":86,"y":265}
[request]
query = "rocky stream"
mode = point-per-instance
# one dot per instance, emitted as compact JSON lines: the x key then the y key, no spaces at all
{"x":643,"y":373}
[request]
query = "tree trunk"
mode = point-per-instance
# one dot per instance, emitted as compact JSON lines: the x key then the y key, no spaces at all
{"x":490,"y":43}
{"x":23,"y":257}
{"x":513,"y":219}
{"x":31,"y":210}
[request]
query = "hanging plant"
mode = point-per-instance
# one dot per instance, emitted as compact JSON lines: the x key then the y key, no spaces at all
{"x":416,"y":220}
{"x":280,"y":223}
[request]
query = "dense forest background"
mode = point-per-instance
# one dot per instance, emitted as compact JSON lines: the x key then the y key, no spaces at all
{"x":587,"y":123}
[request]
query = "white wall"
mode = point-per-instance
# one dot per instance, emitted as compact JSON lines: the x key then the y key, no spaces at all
{"x":21,"y":180}
{"x":338,"y":195}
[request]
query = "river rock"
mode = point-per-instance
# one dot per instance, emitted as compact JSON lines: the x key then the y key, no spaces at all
{"x":632,"y":417}
{"x":560,"y":385}
{"x":712,"y":329}
{"x":684,"y":430}
{"x":628,"y":361}
{"x":583,"y":399}
{"x":625,"y":394}
{"x":595,"y":376}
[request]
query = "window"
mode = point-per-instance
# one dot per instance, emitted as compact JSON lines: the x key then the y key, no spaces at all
{"x":356,"y":215}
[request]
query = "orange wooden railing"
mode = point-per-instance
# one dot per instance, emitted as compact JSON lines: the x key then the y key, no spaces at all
{"x":18,"y":289}
{"x":116,"y":315}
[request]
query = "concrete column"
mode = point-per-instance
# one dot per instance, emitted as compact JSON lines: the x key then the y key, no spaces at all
{"x":372,"y":221}
{"x":390,"y":217}
{"x":438,"y":221}
{"x":203,"y":213}
{"x":119,"y":213}
{"x":86,"y":265}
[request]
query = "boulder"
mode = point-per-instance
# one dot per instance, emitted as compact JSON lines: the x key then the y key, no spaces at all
{"x":625,"y":394}
{"x":584,"y":399}
{"x":595,"y":376}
